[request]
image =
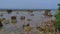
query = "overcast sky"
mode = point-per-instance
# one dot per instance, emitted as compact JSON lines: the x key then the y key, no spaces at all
{"x":29,"y":4}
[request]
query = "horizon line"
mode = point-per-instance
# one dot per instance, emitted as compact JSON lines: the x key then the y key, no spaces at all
{"x":28,"y":9}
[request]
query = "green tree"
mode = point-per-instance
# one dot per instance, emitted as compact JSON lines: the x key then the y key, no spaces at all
{"x":9,"y":11}
{"x":57,"y":24}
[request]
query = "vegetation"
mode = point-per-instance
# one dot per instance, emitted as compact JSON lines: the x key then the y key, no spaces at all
{"x":9,"y":11}
{"x":57,"y":24}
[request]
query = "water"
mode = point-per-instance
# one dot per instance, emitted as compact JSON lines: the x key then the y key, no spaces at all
{"x":17,"y":28}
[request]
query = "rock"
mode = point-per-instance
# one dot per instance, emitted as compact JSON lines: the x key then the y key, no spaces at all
{"x":40,"y":29}
{"x":13,"y":17}
{"x":28,"y":24}
{"x":49,"y":15}
{"x":22,"y":17}
{"x":14,"y":21}
{"x":3,"y":19}
{"x":27,"y":28}
{"x":29,"y":19}
{"x":47,"y":12}
{"x":41,"y":32}
{"x":32,"y":14}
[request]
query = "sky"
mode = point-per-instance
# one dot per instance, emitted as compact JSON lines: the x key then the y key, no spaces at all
{"x":29,"y":4}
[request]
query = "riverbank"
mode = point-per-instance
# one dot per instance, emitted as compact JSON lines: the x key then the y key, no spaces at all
{"x":37,"y":19}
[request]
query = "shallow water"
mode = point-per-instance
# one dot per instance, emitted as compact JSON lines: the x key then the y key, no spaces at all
{"x":17,"y":28}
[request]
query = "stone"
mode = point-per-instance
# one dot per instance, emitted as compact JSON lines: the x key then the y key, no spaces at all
{"x":3,"y":19}
{"x":27,"y":28}
{"x":22,"y":18}
{"x":29,"y":19}
{"x":13,"y":19}
{"x":32,"y":14}
{"x":40,"y":28}
{"x":47,"y":11}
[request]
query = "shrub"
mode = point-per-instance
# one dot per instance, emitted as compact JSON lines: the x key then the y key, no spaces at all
{"x":57,"y":16}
